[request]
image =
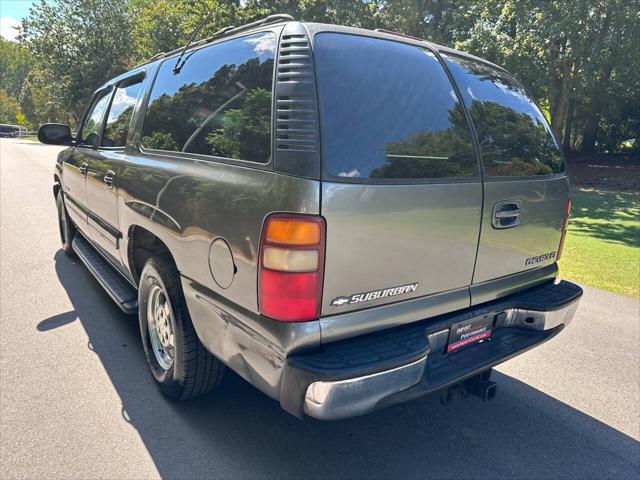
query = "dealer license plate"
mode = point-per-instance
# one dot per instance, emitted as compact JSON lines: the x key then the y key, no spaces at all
{"x":469,"y":332}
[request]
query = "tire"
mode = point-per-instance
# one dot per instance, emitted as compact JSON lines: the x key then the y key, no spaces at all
{"x":179,"y":363}
{"x":65,"y":225}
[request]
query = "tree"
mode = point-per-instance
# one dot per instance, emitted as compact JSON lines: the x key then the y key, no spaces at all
{"x":578,"y":59}
{"x":443,"y":21}
{"x":9,"y":108}
{"x":357,"y":13}
{"x":568,"y":53}
{"x":42,"y":99}
{"x":164,"y":25}
{"x":79,"y":44}
{"x":15,"y":64}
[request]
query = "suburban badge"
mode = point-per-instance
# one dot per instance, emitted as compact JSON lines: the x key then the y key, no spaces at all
{"x":374,"y":295}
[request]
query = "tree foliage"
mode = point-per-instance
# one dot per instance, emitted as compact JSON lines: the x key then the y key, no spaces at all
{"x":572,"y":55}
{"x":15,"y":64}
{"x":164,"y":25}
{"x":578,"y":58}
{"x":9,"y":108}
{"x":78,"y":45}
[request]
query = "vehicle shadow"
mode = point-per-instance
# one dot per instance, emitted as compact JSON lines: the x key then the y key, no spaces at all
{"x":238,"y":432}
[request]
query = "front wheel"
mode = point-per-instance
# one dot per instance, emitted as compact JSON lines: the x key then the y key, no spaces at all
{"x":67,"y":228}
{"x":179,"y":363}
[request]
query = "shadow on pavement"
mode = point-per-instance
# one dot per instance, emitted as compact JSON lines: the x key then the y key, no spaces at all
{"x":238,"y":432}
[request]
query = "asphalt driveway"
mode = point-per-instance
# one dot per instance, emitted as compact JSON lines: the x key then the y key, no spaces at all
{"x":76,"y":400}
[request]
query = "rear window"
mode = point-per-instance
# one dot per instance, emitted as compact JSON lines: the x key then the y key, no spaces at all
{"x":515,"y":138}
{"x":218,"y":105}
{"x":388,"y":111}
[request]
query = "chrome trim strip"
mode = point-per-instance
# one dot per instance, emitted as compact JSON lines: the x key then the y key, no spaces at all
{"x":97,"y":220}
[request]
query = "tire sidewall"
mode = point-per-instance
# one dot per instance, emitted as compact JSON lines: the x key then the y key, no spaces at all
{"x":168,"y":380}
{"x":63,"y":216}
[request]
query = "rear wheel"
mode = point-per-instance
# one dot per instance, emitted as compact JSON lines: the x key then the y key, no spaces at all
{"x":67,"y":228}
{"x":179,"y":363}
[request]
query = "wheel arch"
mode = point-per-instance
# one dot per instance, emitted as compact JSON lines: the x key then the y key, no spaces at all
{"x":57,"y":184}
{"x":143,"y":245}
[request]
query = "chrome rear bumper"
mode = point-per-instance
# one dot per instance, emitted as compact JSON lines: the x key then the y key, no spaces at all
{"x":349,"y":398}
{"x":332,"y":400}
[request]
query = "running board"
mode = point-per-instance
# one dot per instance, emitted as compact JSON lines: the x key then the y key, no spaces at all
{"x":118,"y":288}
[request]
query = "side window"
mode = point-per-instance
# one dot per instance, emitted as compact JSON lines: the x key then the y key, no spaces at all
{"x":219,"y":104}
{"x":120,"y":113}
{"x":515,"y":138}
{"x":91,"y":128}
{"x":389,"y":112}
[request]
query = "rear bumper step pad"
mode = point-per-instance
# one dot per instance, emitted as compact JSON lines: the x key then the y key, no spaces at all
{"x":355,"y":376}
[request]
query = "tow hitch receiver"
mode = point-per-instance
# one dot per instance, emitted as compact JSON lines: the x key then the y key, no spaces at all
{"x":479,"y":385}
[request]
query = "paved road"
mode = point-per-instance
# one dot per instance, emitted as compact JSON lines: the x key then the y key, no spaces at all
{"x":77,"y":401}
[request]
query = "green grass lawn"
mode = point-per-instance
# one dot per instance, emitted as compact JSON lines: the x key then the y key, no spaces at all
{"x":602,"y":248}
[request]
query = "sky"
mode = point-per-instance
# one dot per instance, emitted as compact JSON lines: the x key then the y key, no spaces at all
{"x":11,"y":12}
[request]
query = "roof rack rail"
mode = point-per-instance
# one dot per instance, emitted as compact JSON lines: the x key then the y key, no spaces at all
{"x":277,"y":18}
{"x":391,"y":32}
{"x":226,"y":31}
{"x":157,"y":55}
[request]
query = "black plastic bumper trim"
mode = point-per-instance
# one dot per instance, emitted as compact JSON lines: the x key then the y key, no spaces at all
{"x":443,"y":371}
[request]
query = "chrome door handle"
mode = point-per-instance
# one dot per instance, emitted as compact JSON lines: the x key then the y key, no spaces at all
{"x":506,"y":214}
{"x":84,"y":168}
{"x":109,"y":179}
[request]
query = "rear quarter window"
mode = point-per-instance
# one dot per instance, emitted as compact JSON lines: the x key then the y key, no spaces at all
{"x":515,"y":138}
{"x":218,"y":105}
{"x":388,"y":112}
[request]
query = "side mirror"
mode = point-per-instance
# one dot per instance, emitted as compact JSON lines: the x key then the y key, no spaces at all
{"x":55,"y":134}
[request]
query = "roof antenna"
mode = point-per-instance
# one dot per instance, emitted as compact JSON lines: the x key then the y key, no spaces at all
{"x":178,"y":66}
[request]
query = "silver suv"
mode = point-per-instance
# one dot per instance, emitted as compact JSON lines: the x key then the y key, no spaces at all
{"x":346,"y":218}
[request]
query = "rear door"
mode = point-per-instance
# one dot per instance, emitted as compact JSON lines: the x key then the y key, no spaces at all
{"x":401,"y":188}
{"x":526,"y":189}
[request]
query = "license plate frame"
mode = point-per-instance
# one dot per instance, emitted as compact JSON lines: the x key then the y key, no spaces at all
{"x":470,"y":332}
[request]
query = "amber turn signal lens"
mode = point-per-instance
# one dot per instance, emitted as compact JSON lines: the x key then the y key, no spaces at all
{"x":293,"y":232}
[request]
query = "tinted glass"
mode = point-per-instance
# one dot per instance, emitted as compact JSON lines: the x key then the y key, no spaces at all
{"x":120,"y":113}
{"x":93,"y":124}
{"x":515,"y":139}
{"x":219,"y":104}
{"x":388,"y":111}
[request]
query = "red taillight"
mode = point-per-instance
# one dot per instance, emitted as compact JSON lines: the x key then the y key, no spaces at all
{"x":291,"y":267}
{"x":565,"y":221}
